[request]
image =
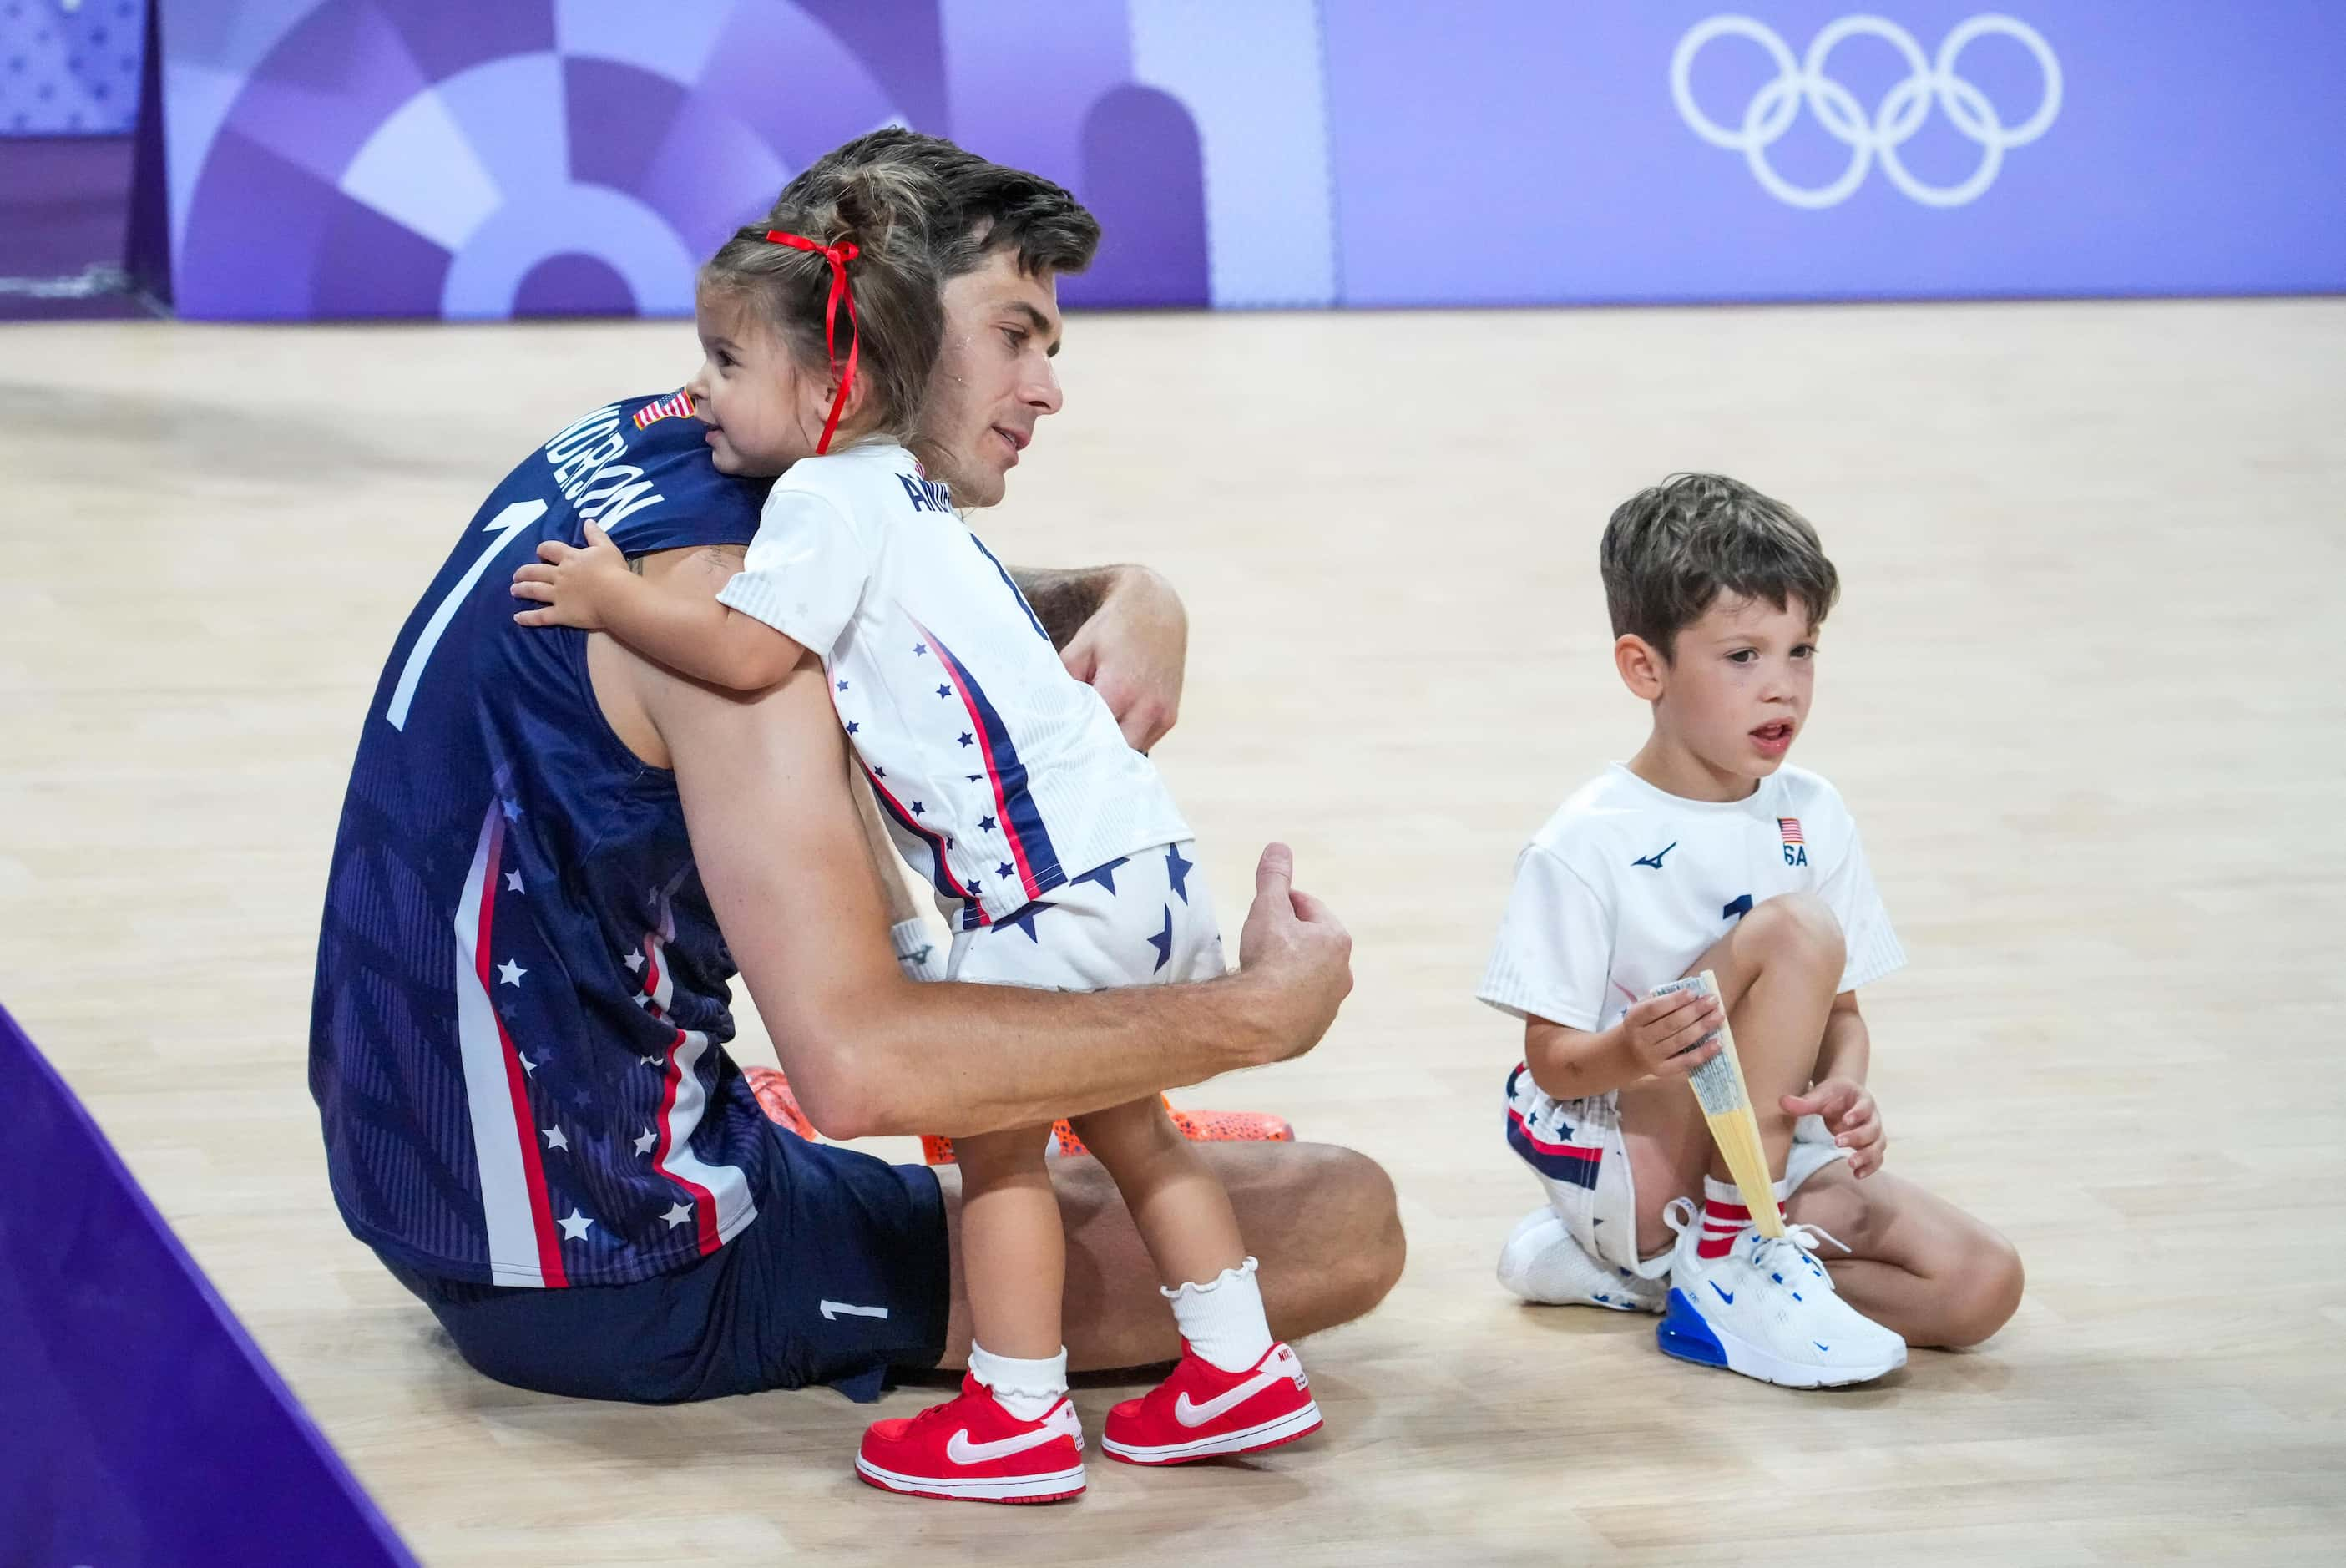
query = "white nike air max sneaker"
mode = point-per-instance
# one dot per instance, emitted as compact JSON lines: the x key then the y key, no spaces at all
{"x":1767,"y":1309}
{"x":1543,"y":1263}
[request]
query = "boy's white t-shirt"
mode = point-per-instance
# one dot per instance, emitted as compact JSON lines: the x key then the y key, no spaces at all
{"x":1001,"y":775}
{"x":1627,"y":885}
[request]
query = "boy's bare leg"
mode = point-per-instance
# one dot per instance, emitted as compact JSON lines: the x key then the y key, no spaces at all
{"x":1778,"y":970}
{"x":1321,"y":1218}
{"x":1013,"y":1251}
{"x":1917,"y":1264}
{"x":1184,"y":1218}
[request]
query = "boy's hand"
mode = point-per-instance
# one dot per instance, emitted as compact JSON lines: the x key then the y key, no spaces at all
{"x":1850,"y":1116}
{"x":1661,"y":1032}
{"x":570,"y":581}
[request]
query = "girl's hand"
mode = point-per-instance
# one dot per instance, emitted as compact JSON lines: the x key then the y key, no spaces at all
{"x":572,"y":583}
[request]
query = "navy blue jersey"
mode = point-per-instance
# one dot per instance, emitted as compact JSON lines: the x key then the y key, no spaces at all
{"x":515,"y":1036}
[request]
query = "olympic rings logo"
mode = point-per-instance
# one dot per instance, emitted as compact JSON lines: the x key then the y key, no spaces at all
{"x":1895,"y":120}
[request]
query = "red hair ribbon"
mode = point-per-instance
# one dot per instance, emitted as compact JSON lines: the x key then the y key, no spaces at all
{"x":839,"y":256}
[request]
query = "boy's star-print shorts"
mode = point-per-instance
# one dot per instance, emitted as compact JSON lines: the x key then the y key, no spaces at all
{"x":1575,"y":1149}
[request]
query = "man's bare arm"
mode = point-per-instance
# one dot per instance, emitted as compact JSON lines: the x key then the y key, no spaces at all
{"x":1122,"y":631}
{"x":1064,"y":601}
{"x":869,"y":1052}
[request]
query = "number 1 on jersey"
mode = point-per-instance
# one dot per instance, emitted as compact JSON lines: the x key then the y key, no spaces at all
{"x":505,"y":526}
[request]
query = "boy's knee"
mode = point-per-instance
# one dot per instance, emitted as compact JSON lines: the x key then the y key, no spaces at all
{"x":1988,"y":1291}
{"x":1797,"y":928}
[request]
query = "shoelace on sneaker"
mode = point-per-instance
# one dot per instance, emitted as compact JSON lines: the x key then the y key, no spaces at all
{"x":1801,"y":1240}
{"x":1681,"y":1213}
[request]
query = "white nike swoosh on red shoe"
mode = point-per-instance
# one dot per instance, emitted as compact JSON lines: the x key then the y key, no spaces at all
{"x":961,"y":1451}
{"x":1190,"y":1415}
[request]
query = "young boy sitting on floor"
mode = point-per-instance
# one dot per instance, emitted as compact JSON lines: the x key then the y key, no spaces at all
{"x":1706,"y":851}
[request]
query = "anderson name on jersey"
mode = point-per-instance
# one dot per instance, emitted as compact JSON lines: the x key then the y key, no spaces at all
{"x":1001,"y":775}
{"x":1627,"y":885}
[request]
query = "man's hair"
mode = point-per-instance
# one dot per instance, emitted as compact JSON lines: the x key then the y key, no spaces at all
{"x":982,"y":208}
{"x":1670,"y":550}
{"x":887,"y":210}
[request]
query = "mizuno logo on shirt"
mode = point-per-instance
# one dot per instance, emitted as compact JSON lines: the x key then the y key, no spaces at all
{"x":1655,"y":859}
{"x":1190,"y":1415}
{"x":961,"y":1451}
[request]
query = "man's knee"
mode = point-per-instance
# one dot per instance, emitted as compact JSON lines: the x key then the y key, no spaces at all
{"x":1796,"y":928}
{"x":1351,"y":1233}
{"x":1383,"y":1250}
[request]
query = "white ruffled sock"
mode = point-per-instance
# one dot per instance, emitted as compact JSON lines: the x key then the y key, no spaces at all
{"x":1027,"y":1390}
{"x":1223,"y":1319}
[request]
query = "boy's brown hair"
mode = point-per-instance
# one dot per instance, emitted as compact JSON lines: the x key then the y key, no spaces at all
{"x":1671,"y":549}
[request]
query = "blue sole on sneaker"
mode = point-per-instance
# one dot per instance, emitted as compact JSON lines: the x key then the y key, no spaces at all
{"x":1683,"y":1333}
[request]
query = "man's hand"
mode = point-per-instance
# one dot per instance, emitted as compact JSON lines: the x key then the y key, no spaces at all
{"x":1850,"y":1116}
{"x":1131,"y":651}
{"x":571,"y":581}
{"x":1295,"y":947}
{"x":1659,"y":1035}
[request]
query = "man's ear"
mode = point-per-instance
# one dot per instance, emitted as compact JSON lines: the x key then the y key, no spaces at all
{"x":1644,"y":668}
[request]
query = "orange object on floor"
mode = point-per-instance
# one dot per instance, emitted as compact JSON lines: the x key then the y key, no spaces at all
{"x":774,"y":1098}
{"x":1197,"y":1126}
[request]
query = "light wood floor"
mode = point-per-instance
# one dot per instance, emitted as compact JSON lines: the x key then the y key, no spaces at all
{"x":2085,"y":694}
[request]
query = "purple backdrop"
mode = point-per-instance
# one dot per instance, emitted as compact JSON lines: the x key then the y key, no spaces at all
{"x":143,"y":1425}
{"x":70,"y":68}
{"x":369,"y":156}
{"x":2193,"y":148}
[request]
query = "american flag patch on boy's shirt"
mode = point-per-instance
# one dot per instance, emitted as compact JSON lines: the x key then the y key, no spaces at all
{"x":1790,"y":828}
{"x":653,"y":412}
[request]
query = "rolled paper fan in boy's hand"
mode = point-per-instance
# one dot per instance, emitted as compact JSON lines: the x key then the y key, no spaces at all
{"x":1727,"y":1106}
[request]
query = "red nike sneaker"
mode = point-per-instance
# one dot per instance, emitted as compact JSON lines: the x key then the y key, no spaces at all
{"x":1201,"y":1411}
{"x":971,"y":1449}
{"x":1197,"y":1126}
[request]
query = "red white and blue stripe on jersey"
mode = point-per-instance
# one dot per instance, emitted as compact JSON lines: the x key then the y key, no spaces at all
{"x":941,"y":875}
{"x":1543,"y":1150}
{"x":518,"y":1203}
{"x":1032,"y":855}
{"x":719,"y":1196}
{"x":524,"y":1247}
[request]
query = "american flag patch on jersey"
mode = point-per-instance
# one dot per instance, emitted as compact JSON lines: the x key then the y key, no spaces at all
{"x":653,"y":412}
{"x":1790,"y":828}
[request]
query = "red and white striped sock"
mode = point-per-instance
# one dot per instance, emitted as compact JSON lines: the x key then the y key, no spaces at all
{"x":1724,"y":1217}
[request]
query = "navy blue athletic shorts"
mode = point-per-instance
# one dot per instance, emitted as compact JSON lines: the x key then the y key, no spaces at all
{"x":844,"y":1276}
